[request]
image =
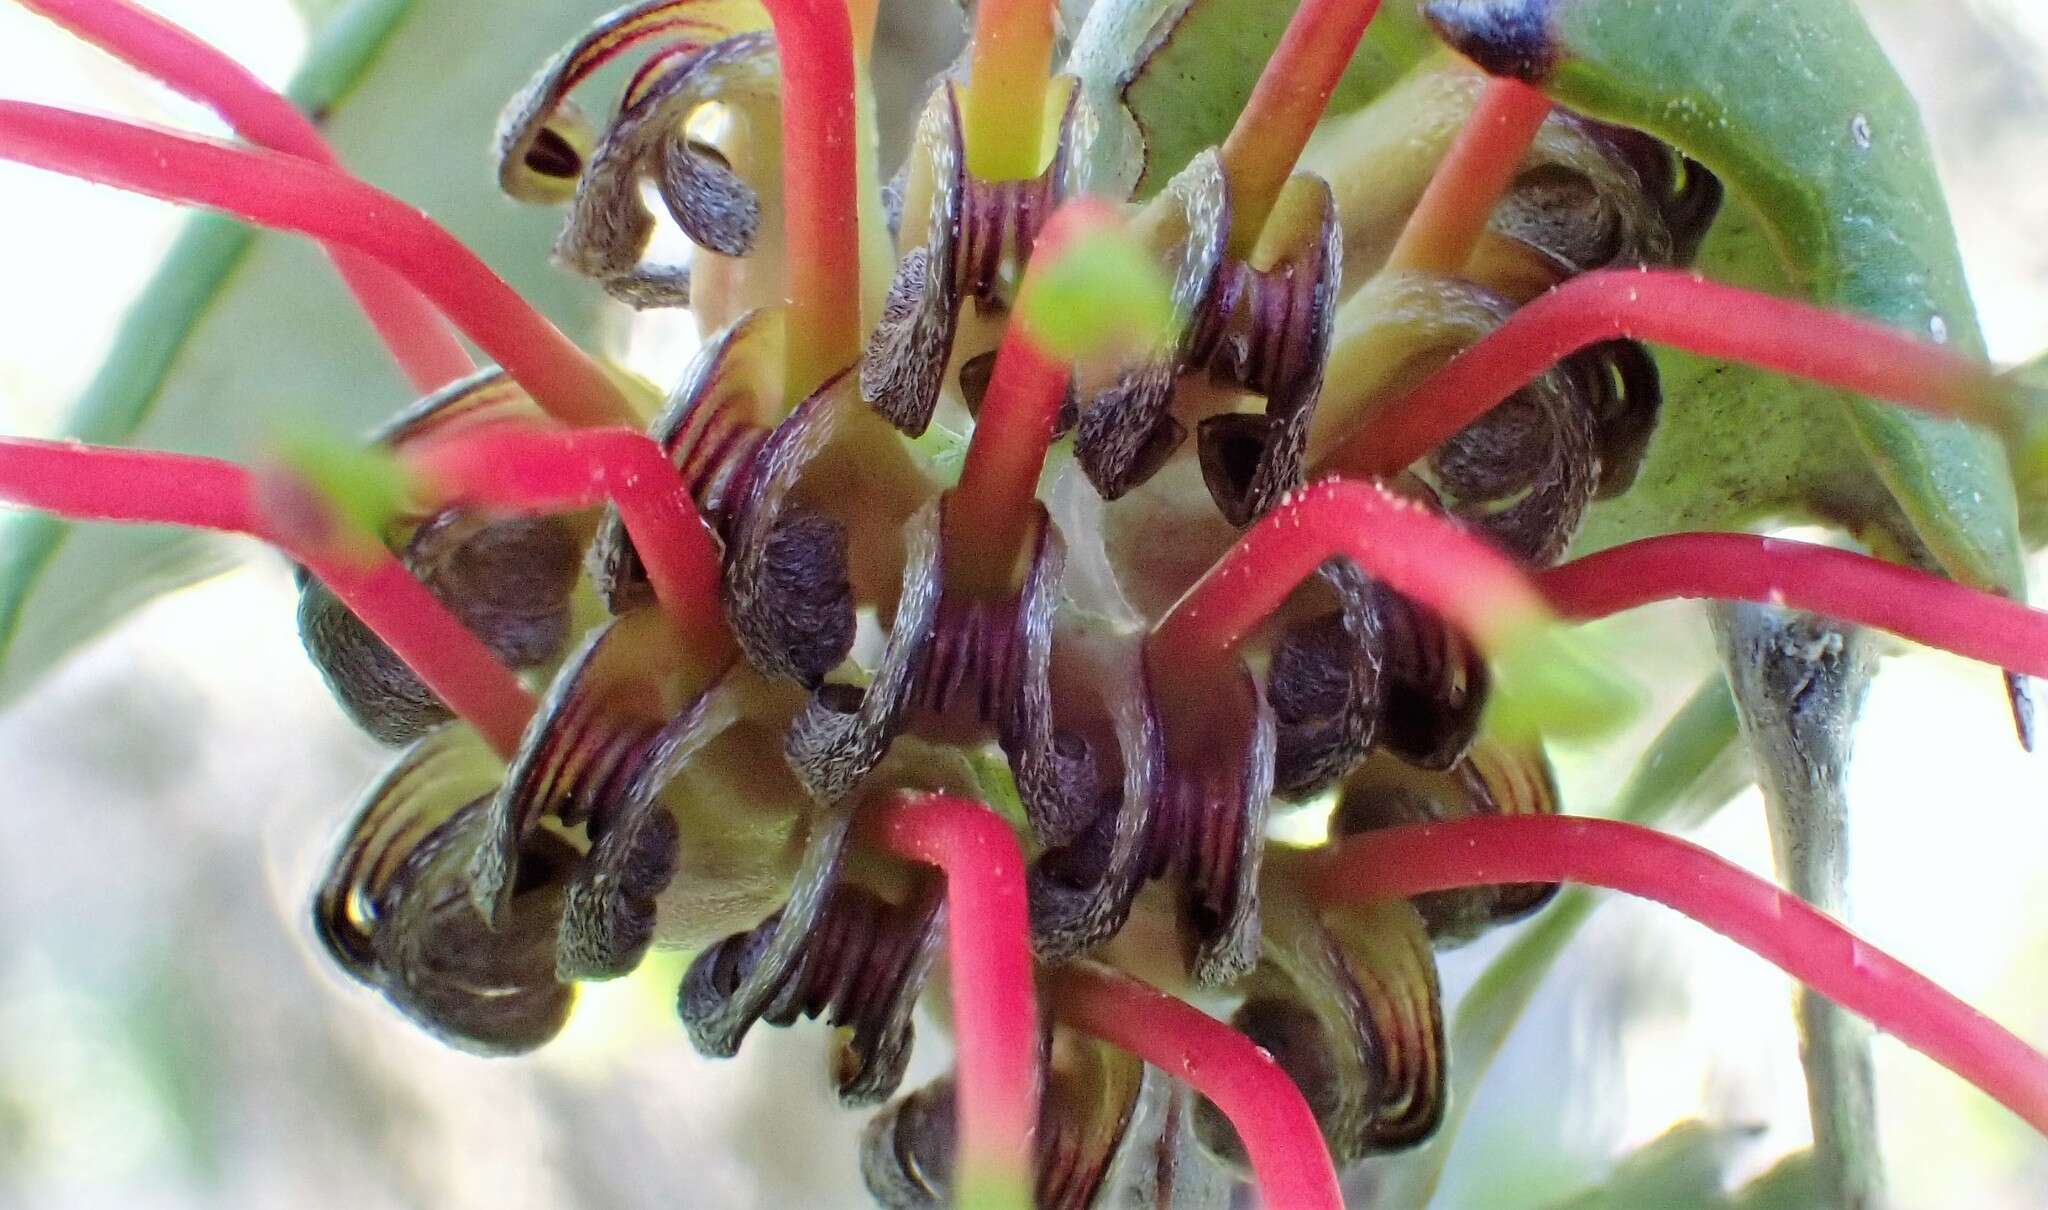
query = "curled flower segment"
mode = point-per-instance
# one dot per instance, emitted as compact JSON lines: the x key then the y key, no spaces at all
{"x":962,"y":236}
{"x":970,"y":640}
{"x":857,"y":952}
{"x":1496,"y":777}
{"x":1347,"y":1004}
{"x":508,"y":579}
{"x":394,"y":910}
{"x":1264,"y":1107}
{"x":1113,"y":1131}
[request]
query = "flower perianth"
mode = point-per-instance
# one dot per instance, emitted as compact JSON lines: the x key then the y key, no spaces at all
{"x":821,"y":181}
{"x":1289,"y":1159}
{"x":528,"y":469}
{"x":995,"y":1003}
{"x":1688,"y":312}
{"x":1006,"y":88}
{"x":1802,"y":575}
{"x":1774,"y":924}
{"x":1285,"y":106}
{"x":1447,"y":223}
{"x":99,"y":483}
{"x":294,"y":194}
{"x":419,"y":340}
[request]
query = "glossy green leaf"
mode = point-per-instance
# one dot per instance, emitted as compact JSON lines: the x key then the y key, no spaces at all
{"x":242,"y":336}
{"x":2032,"y":381}
{"x":1680,"y":1169}
{"x":1798,"y":110}
{"x":1692,"y":768}
{"x":1685,"y":1168}
{"x":1168,"y":77}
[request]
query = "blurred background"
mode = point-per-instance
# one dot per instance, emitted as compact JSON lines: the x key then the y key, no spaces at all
{"x":169,"y":1038}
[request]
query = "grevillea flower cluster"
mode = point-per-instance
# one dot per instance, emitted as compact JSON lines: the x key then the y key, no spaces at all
{"x":1021,"y":540}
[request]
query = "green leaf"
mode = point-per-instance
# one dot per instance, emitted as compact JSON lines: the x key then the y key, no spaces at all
{"x":1553,"y":683}
{"x":1797,"y":109}
{"x":2031,"y":381}
{"x":1168,"y":77}
{"x":1793,"y":1183}
{"x":1691,"y":769}
{"x":242,"y":336}
{"x":1681,"y":1169}
{"x":1685,"y":1168}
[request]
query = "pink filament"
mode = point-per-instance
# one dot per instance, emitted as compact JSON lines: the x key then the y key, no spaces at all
{"x":1801,"y":575}
{"x":821,"y":186}
{"x":1461,"y":197}
{"x":419,"y":340}
{"x":292,"y":194}
{"x":1393,"y":539}
{"x":1289,"y":1160}
{"x":995,"y":1005}
{"x":100,"y":483}
{"x":990,"y":512}
{"x":1679,"y":309}
{"x":1285,"y":105}
{"x":1779,"y":927}
{"x":530,"y":469}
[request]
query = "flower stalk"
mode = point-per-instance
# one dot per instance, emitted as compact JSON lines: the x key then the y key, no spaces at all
{"x":1451,"y":217}
{"x":292,"y":194}
{"x":419,"y":340}
{"x":1289,"y":1159}
{"x":101,"y":483}
{"x":1774,"y":924}
{"x":1687,"y":312}
{"x":995,"y":1003}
